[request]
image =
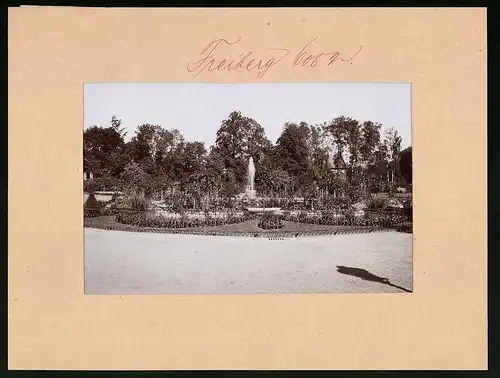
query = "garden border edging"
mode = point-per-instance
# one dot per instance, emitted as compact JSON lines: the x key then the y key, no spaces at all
{"x":262,"y":234}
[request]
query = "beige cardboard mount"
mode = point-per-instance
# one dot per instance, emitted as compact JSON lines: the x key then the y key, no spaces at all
{"x":53,"y":325}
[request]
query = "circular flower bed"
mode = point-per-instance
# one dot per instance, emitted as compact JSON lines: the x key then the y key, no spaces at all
{"x":149,"y":219}
{"x":270,"y":222}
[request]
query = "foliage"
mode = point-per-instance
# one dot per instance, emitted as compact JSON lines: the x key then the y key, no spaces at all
{"x":237,"y":139}
{"x":347,"y":218}
{"x":405,"y":164}
{"x":149,"y":219}
{"x":103,"y":151}
{"x":336,"y":163}
{"x":89,"y":186}
{"x":408,"y":210}
{"x":135,"y":200}
{"x":92,"y":207}
{"x":270,"y":221}
{"x":378,"y":203}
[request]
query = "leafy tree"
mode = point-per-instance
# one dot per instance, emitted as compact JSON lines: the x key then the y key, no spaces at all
{"x":278,"y":182}
{"x":214,"y":172}
{"x":338,"y":130}
{"x":392,"y":143}
{"x":370,"y":139}
{"x":116,"y":125}
{"x":237,"y":139}
{"x":292,"y":149}
{"x":264,"y":169}
{"x":354,"y":140}
{"x":167,"y":157}
{"x":193,"y":157}
{"x":319,"y":163}
{"x":144,"y":145}
{"x":103,"y":151}
{"x":160,"y":163}
{"x":405,"y":164}
{"x":231,"y":184}
{"x":134,"y":178}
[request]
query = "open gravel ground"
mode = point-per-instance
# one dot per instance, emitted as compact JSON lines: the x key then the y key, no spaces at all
{"x":118,"y":262}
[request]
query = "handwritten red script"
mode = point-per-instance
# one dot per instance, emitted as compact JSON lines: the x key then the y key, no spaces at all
{"x":213,"y":58}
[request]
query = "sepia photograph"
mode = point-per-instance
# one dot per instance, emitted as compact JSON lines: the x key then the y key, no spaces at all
{"x":247,"y":188}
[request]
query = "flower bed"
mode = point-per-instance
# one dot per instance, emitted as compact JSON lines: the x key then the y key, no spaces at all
{"x":267,"y":221}
{"x":111,"y":226}
{"x":346,"y":219}
{"x":149,"y":219}
{"x":271,"y":222}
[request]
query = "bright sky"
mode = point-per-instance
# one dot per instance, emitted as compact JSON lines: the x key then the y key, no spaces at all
{"x":197,"y":109}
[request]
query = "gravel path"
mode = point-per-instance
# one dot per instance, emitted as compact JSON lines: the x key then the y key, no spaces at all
{"x":118,"y":262}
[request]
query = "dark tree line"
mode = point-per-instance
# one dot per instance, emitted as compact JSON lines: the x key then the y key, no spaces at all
{"x":340,"y":158}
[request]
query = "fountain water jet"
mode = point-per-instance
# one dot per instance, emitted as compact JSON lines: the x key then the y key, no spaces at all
{"x":251,"y":178}
{"x":251,"y":193}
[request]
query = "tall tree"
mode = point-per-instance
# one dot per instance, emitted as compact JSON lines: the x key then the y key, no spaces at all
{"x":318,"y":151}
{"x":168,"y":155}
{"x":369,"y":142}
{"x":337,"y":130}
{"x":237,"y":139}
{"x":156,"y":150}
{"x":292,"y":149}
{"x":405,"y":164}
{"x":354,"y":142}
{"x":193,"y":156}
{"x":116,"y":124}
{"x":370,"y":139}
{"x":300,"y":162}
{"x":102,"y":150}
{"x":144,"y":143}
{"x":392,"y":144}
{"x":214,"y":173}
{"x":134,"y":178}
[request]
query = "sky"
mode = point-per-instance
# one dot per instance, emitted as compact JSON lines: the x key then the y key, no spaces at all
{"x":197,"y":109}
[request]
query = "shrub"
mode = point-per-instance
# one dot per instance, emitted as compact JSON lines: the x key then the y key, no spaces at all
{"x":137,"y":201}
{"x":89,"y":186}
{"x":270,"y":222}
{"x":302,"y":217}
{"x":252,"y":203}
{"x":110,"y":208}
{"x":91,"y":207}
{"x":329,"y":219}
{"x":134,"y":219}
{"x":408,"y":210}
{"x":378,"y":203}
{"x":350,"y":215}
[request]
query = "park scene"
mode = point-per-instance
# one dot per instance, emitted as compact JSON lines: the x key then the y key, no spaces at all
{"x":328,"y":205}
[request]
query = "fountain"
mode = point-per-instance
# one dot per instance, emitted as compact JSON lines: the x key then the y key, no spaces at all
{"x":250,"y":192}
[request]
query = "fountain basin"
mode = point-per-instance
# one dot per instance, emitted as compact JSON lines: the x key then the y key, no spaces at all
{"x":263,"y":209}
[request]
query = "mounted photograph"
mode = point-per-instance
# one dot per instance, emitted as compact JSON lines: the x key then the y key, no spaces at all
{"x":247,"y":188}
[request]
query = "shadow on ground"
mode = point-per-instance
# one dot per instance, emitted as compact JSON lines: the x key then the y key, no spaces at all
{"x":367,"y":276}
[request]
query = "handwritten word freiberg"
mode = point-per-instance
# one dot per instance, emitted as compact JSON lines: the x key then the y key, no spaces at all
{"x":246,"y":61}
